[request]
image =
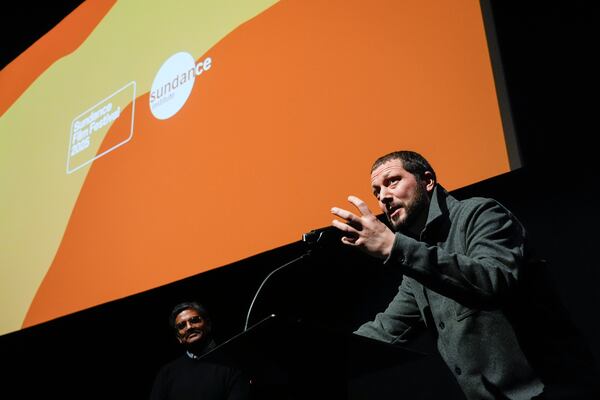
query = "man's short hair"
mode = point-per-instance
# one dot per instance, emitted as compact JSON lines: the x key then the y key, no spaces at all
{"x":412,"y":162}
{"x":190,"y":305}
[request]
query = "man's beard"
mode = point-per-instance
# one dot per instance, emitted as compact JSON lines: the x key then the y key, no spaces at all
{"x":413,"y":211}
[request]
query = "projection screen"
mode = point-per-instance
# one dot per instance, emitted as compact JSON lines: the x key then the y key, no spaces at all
{"x":142,"y":142}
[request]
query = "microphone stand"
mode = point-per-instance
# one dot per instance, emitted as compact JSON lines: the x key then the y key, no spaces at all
{"x":314,"y":239}
{"x":295,"y":260}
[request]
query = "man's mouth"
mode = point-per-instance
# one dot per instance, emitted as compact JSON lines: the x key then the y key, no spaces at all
{"x":393,"y":211}
{"x":195,"y":333}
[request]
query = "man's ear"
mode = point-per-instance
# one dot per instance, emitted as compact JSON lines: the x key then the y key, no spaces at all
{"x":429,"y":181}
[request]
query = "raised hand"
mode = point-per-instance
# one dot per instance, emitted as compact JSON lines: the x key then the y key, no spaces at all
{"x":364,"y":231}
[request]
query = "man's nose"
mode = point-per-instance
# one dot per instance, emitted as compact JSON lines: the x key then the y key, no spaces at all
{"x":385,"y":195}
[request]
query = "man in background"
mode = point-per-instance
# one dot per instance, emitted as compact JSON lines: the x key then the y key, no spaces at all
{"x":189,"y":376}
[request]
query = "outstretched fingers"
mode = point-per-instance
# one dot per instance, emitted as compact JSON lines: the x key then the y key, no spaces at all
{"x":361,"y":205}
{"x":344,"y":214}
{"x":364,"y":230}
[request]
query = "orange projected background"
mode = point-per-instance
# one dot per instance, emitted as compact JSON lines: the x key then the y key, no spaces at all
{"x":126,"y":166}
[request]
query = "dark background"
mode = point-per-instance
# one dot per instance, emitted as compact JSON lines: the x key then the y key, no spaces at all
{"x":114,"y":350}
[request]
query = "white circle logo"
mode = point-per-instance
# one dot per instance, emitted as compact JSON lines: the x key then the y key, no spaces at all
{"x":172,"y":85}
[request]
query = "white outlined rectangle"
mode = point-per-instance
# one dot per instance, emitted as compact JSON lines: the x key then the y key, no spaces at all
{"x":89,"y":129}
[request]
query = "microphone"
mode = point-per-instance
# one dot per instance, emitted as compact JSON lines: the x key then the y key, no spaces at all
{"x":321,"y":236}
{"x":331,"y":234}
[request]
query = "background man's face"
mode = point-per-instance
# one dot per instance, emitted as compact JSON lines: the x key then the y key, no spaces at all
{"x":190,"y":326}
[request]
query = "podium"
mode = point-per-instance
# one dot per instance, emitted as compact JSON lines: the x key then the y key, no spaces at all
{"x":296,"y":359}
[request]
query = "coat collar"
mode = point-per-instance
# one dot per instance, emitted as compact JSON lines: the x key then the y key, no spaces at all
{"x":438,"y":208}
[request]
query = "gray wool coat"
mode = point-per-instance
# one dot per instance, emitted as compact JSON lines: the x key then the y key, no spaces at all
{"x":496,"y":321}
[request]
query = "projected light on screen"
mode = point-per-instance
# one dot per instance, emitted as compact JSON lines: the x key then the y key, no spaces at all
{"x":140,"y":148}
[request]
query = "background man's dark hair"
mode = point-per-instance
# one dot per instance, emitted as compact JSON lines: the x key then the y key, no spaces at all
{"x":194,"y":306}
{"x":412,"y":162}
